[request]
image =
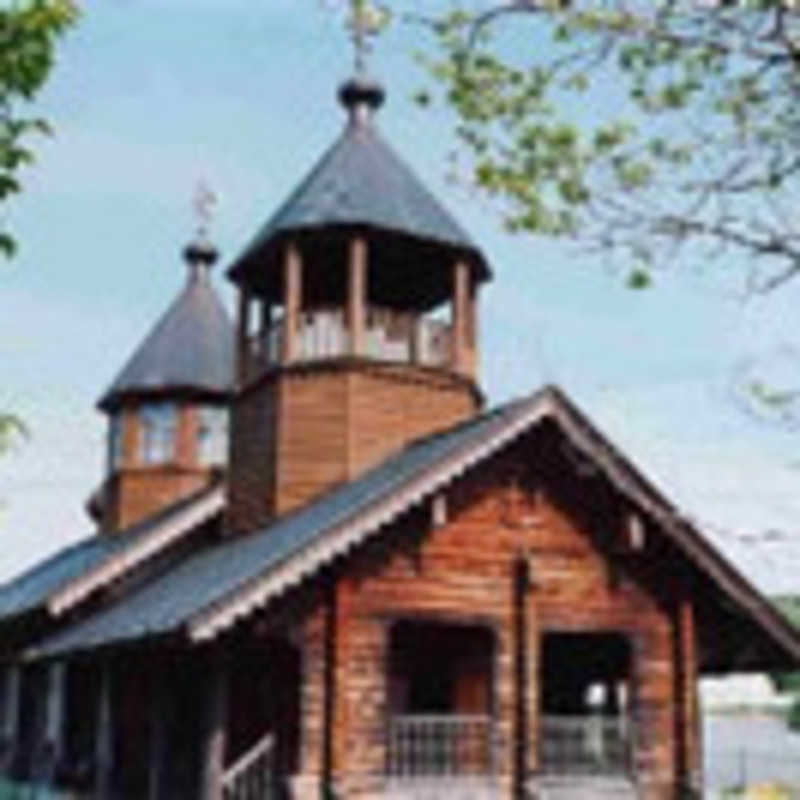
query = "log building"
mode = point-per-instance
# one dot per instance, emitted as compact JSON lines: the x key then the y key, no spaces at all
{"x":385,"y":590}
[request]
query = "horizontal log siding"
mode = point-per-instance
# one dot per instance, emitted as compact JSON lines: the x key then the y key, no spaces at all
{"x":463,"y":572}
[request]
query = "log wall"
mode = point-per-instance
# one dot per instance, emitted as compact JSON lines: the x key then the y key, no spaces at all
{"x":464,"y":572}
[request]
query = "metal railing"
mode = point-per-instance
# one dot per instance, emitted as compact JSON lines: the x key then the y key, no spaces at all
{"x":389,"y":335}
{"x":440,"y":745}
{"x":252,"y":776}
{"x":586,"y":745}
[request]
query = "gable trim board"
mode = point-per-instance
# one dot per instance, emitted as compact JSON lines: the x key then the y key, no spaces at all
{"x":548,"y":403}
{"x":333,"y":530}
{"x":175,"y":525}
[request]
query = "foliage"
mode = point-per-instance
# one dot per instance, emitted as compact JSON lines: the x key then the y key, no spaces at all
{"x":789,"y":682}
{"x":28,"y":33}
{"x":636,"y":126}
{"x":11,"y":429}
{"x":794,"y":715}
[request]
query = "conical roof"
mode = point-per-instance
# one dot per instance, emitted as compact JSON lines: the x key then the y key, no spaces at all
{"x":191,"y":348}
{"x":361,"y":182}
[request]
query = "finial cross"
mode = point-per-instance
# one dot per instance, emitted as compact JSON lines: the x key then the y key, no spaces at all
{"x":204,"y":201}
{"x":367,"y":19}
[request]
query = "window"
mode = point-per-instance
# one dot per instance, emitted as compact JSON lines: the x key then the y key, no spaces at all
{"x":158,"y":425}
{"x":115,"y":434}
{"x":212,"y":436}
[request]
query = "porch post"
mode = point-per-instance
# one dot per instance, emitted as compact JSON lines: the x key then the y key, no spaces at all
{"x":214,"y":742}
{"x":292,"y":302}
{"x":104,"y":742}
{"x":521,"y":730}
{"x":54,"y":724}
{"x":688,"y":700}
{"x":11,"y":717}
{"x":357,"y":294}
{"x":160,"y":712}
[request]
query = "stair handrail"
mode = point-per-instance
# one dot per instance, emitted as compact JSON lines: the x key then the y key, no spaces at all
{"x":260,"y":749}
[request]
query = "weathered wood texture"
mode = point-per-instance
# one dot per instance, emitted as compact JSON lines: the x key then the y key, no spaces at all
{"x":302,"y":431}
{"x":463,"y":573}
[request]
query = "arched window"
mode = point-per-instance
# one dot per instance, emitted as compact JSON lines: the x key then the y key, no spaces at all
{"x":159,"y":423}
{"x":212,"y":436}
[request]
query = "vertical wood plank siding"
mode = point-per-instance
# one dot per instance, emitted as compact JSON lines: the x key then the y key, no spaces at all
{"x":303,"y":431}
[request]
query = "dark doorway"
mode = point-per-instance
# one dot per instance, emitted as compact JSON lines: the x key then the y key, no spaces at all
{"x":585,"y":690}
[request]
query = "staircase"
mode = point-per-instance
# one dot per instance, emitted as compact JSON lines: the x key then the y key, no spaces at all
{"x":252,"y":777}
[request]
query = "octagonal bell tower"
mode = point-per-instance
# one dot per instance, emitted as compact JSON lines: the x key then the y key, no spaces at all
{"x":357,"y":324}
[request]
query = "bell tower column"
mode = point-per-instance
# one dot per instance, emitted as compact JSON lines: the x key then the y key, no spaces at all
{"x":461,"y":313}
{"x":357,"y":294}
{"x":292,"y":302}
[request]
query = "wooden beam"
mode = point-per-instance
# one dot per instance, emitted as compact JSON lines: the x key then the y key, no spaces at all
{"x":357,"y":294}
{"x":460,"y":318}
{"x":216,"y":723}
{"x":292,"y":302}
{"x":104,"y":736}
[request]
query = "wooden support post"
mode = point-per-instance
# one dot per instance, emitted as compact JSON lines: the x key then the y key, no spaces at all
{"x":691,"y":758}
{"x":54,"y":723}
{"x":357,"y":294}
{"x":460,"y":316}
{"x":216,"y":723}
{"x":104,"y":741}
{"x":292,"y":302}
{"x":243,"y":355}
{"x":13,"y":679}
{"x":533,"y":696}
{"x":160,"y":712}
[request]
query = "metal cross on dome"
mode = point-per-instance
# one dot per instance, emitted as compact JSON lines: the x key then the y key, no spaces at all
{"x":203,"y":202}
{"x":366,"y":21}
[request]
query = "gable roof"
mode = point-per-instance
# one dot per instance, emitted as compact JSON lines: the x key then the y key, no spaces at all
{"x":60,"y":582}
{"x":190,"y":348}
{"x":211,"y":590}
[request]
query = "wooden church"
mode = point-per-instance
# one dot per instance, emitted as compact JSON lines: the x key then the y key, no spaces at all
{"x":377,"y":588}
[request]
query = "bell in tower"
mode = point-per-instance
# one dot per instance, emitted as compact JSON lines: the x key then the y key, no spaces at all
{"x":357,"y":324}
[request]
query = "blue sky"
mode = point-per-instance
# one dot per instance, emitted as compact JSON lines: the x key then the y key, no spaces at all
{"x":151,"y":96}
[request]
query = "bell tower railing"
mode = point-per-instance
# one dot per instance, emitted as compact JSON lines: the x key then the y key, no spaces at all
{"x":389,"y":336}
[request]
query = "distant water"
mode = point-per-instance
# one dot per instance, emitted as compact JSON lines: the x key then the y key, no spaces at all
{"x":749,"y":749}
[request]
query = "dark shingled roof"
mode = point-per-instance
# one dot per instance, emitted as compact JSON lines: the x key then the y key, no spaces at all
{"x":32,"y":590}
{"x":190,"y":348}
{"x":226,"y":577}
{"x":170,"y":601}
{"x":361,"y":181}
